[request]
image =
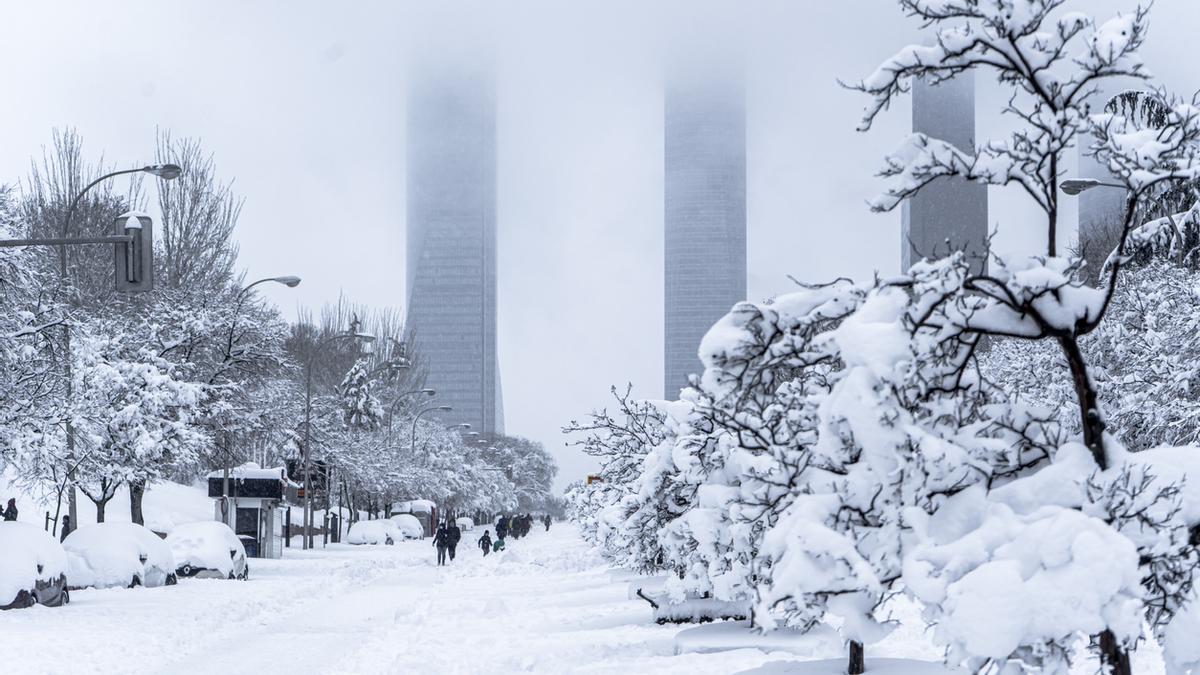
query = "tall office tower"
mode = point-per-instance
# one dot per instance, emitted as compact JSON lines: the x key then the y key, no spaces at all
{"x":950,"y":214}
{"x":451,"y":270}
{"x":705,"y":213}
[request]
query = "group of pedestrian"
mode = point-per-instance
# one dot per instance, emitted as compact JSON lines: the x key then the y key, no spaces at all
{"x":446,"y":540}
{"x":448,"y":535}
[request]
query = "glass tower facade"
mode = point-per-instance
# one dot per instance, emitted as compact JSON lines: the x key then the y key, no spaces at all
{"x":705,"y":215}
{"x":950,"y":214}
{"x":451,"y":271}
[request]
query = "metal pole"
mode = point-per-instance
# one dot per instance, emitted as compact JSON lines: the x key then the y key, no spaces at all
{"x":307,"y":455}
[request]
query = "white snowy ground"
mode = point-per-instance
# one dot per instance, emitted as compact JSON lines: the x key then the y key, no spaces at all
{"x":546,"y":605}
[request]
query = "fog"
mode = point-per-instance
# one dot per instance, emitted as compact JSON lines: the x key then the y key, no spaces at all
{"x":303,"y":102}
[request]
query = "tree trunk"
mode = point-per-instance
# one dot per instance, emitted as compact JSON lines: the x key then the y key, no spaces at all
{"x":857,"y":665}
{"x":1090,"y":419}
{"x":100,"y":510}
{"x":137,"y":489}
{"x":1113,"y":657}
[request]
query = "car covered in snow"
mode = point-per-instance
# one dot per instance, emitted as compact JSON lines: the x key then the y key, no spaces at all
{"x":33,"y":567}
{"x":465,"y":524}
{"x":374,"y":532}
{"x":117,"y":555}
{"x":408,"y":525}
{"x":208,"y":550}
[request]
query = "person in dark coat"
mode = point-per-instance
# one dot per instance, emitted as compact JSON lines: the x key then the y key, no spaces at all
{"x":441,"y":539}
{"x":454,"y":536}
{"x":501,"y":527}
{"x":485,"y":542}
{"x":10,"y":513}
{"x":546,"y":520}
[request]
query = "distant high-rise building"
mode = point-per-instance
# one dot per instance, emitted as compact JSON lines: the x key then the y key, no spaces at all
{"x":950,"y":214}
{"x":451,"y":271}
{"x":705,"y":214}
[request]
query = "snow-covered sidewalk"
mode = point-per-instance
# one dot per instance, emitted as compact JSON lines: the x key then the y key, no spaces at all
{"x":547,"y":605}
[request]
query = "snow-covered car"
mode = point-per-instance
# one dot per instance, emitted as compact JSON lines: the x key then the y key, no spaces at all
{"x":208,"y":550}
{"x":409,"y":526}
{"x":374,"y":532}
{"x":117,"y":555}
{"x":465,"y":524}
{"x":32,"y":568}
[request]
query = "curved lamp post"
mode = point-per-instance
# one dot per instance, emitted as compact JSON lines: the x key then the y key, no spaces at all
{"x":289,"y":281}
{"x":440,"y":408}
{"x":163,"y":171}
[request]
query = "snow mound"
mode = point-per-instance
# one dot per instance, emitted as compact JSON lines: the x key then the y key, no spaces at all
{"x":209,"y":545}
{"x":465,"y":524}
{"x":29,"y":555}
{"x":113,"y":555}
{"x":408,"y":526}
{"x":374,"y":532}
{"x":731,"y":635}
{"x":838,"y":667}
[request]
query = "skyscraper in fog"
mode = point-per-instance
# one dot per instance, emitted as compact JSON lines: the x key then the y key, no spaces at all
{"x":705,"y":213}
{"x":451,"y":272}
{"x":950,"y":214}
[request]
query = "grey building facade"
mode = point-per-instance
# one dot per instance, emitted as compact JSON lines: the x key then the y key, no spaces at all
{"x":950,"y":214}
{"x":451,"y":270}
{"x":704,"y":216}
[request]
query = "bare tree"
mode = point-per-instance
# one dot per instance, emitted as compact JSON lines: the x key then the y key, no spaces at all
{"x":198,"y":216}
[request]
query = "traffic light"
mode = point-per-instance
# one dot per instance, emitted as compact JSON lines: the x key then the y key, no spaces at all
{"x":135,"y":260}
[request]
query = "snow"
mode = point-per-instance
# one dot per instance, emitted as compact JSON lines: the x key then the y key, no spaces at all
{"x":206,"y":545}
{"x":106,"y":555}
{"x":374,"y":532}
{"x":28,"y":555}
{"x":252,"y":471}
{"x":414,"y":506}
{"x":465,"y":524}
{"x":551,"y":606}
{"x":409,"y":526}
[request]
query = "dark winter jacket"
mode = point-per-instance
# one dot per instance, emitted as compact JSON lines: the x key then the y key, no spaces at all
{"x":455,"y":535}
{"x":441,"y":538}
{"x":485,"y":542}
{"x":10,"y":513}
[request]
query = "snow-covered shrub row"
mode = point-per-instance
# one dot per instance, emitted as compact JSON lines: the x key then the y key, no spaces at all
{"x":845,"y":441}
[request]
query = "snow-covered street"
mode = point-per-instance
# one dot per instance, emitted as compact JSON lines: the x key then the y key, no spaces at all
{"x":545,"y":605}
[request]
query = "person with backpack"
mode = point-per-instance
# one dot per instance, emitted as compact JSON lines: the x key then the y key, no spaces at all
{"x":501,"y":527}
{"x":441,"y":539}
{"x":485,"y":542}
{"x":10,"y":513}
{"x":454,"y":535}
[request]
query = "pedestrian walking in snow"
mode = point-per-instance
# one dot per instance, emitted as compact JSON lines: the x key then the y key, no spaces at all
{"x":10,"y":513}
{"x":546,"y":519}
{"x":501,"y":527}
{"x":485,"y":542}
{"x":454,"y":535}
{"x":441,"y":539}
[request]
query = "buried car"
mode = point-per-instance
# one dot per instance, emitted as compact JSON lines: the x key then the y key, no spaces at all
{"x":33,"y":568}
{"x":374,"y":532}
{"x":208,"y":550}
{"x":117,"y":555}
{"x":408,"y":525}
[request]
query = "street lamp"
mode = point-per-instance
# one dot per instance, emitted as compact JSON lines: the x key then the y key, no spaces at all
{"x":440,"y":408}
{"x":291,"y":282}
{"x":1074,"y":186}
{"x":163,"y":171}
{"x":353,"y":334}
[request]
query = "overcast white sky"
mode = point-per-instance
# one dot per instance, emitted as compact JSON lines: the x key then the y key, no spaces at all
{"x":303,"y":103}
